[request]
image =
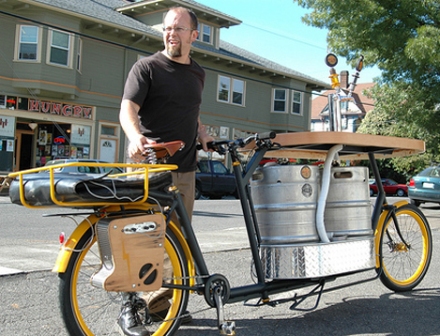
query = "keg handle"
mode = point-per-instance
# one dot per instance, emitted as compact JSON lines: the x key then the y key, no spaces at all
{"x":325,"y":186}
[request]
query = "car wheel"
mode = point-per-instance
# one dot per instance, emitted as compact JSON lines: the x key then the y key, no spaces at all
{"x":414,"y":202}
{"x":400,"y":193}
{"x":198,"y":192}
{"x":235,"y":194}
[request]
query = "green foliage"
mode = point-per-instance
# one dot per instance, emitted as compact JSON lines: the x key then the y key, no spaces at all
{"x":401,"y":37}
{"x":398,"y":113}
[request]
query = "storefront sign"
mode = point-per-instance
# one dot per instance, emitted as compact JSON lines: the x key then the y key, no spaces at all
{"x":80,"y":135}
{"x":7,"y":126}
{"x":65,"y":110}
{"x":59,"y":140}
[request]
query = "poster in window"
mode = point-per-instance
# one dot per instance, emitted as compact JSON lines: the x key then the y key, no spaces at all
{"x":73,"y":152}
{"x":42,"y":137}
{"x":60,"y":150}
{"x":10,"y":145}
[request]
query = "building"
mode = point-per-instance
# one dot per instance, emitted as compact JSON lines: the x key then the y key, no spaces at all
{"x":63,"y":65}
{"x":352,"y":112}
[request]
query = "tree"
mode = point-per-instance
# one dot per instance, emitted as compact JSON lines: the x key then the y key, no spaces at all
{"x":401,"y":37}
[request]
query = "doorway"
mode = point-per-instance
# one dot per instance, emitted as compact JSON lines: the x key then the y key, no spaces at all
{"x":24,"y":150}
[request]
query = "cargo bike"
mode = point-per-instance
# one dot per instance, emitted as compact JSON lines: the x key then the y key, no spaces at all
{"x":306,"y":225}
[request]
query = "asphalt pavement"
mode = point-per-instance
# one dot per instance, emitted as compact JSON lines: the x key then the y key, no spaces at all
{"x":29,"y":293}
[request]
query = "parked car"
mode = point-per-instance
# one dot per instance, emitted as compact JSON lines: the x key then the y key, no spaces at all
{"x":390,"y":187}
{"x":214,"y":180}
{"x":425,"y":186}
{"x":84,"y":169}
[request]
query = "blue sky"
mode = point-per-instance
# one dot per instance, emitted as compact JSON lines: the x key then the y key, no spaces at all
{"x":273,"y":29}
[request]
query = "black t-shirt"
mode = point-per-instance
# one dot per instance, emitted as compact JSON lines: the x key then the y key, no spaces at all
{"x":169,"y":94}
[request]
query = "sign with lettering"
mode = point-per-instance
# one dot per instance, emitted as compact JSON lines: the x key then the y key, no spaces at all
{"x":61,"y":109}
{"x":59,"y":140}
{"x":80,"y":134}
{"x":7,"y":126}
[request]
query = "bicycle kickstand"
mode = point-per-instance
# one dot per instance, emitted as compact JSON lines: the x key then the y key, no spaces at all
{"x":225,"y":327}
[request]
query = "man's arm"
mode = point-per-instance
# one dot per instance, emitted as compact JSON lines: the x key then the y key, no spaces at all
{"x":203,"y":136}
{"x":128,"y":117}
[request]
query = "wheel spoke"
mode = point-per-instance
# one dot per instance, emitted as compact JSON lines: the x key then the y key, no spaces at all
{"x":89,"y":310}
{"x":405,"y":249}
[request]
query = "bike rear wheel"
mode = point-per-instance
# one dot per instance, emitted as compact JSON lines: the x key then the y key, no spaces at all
{"x":405,"y":249}
{"x":88,"y":310}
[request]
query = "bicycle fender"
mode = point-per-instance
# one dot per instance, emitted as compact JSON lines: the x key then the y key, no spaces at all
{"x":379,"y":229}
{"x":179,"y":235}
{"x":68,"y":247}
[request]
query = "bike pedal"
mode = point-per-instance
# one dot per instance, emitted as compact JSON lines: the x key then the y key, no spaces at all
{"x":227,"y":328}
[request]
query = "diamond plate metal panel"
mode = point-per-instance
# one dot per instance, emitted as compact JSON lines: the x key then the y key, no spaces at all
{"x":317,"y":260}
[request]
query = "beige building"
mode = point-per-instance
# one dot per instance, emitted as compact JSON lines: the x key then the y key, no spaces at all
{"x":64,"y":64}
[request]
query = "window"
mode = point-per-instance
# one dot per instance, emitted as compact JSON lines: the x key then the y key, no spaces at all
{"x":28,"y":43}
{"x":109,"y":130}
{"x":205,"y":33}
{"x":296,"y":102}
{"x":224,"y":86}
{"x":78,"y":55}
{"x":344,"y":106}
{"x":59,"y":52}
{"x":231,"y":90}
{"x":204,"y":167}
{"x":219,"y":168}
{"x":279,"y":100}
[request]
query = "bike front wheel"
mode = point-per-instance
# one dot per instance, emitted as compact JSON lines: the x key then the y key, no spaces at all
{"x":405,"y":248}
{"x":88,"y":310}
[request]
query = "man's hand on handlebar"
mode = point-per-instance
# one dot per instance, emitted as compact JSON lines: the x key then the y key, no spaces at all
{"x":222,"y":146}
{"x":204,"y":139}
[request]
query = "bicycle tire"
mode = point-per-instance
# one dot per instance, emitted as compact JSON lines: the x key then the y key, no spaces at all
{"x":403,"y":266}
{"x":87,"y":310}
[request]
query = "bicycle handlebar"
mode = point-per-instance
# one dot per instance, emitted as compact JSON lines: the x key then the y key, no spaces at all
{"x":219,"y":145}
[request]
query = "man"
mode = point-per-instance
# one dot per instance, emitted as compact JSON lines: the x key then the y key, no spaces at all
{"x":161,"y":102}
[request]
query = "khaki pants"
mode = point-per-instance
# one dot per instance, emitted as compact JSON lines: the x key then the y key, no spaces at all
{"x":186,"y":183}
{"x":159,"y":301}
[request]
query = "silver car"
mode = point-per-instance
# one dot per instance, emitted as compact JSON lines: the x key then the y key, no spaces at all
{"x":83,"y":169}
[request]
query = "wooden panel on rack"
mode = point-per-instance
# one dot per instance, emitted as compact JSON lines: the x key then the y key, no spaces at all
{"x":314,"y":145}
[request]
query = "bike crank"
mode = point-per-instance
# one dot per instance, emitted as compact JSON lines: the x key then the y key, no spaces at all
{"x":217,"y":291}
